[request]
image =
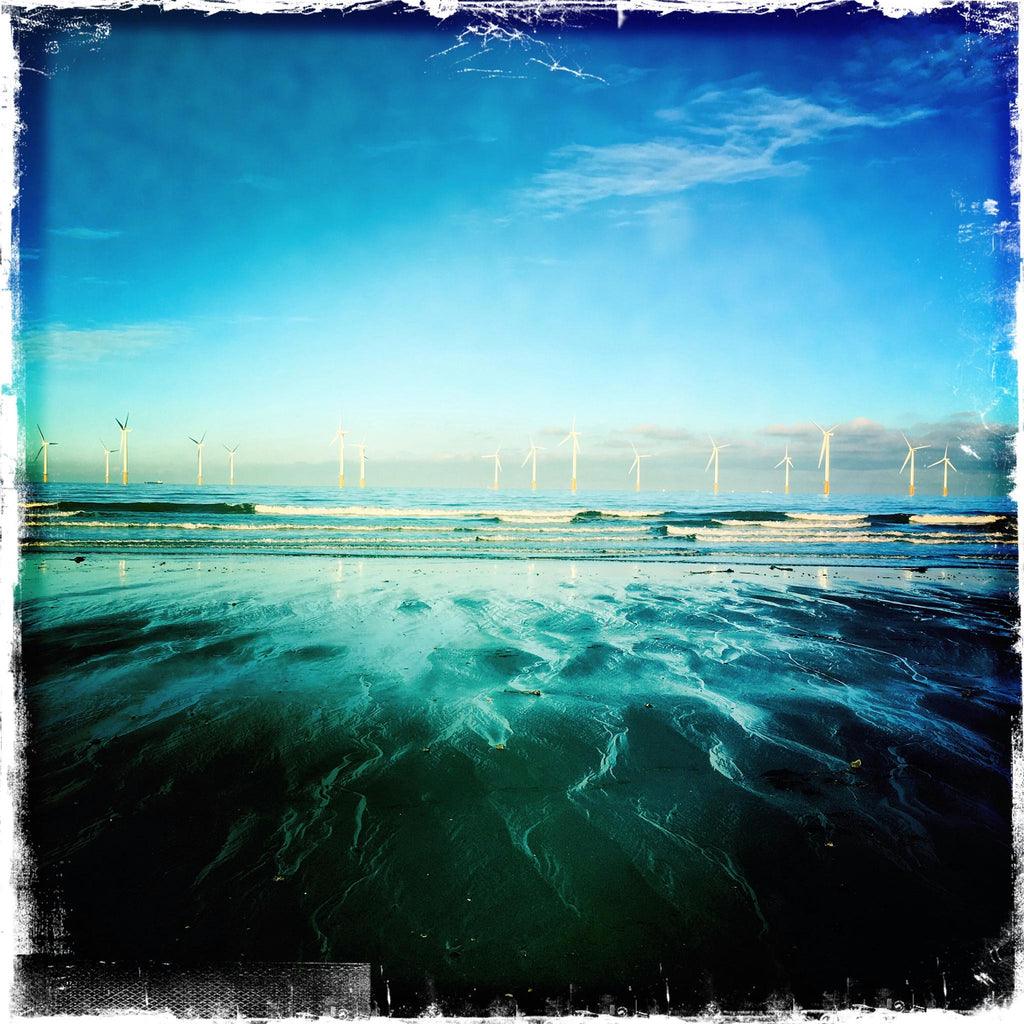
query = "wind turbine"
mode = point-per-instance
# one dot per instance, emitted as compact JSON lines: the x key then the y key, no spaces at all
{"x":826,"y":450}
{"x":636,"y":463}
{"x":497,"y":465}
{"x":534,"y":448}
{"x":946,"y":467}
{"x":340,"y":436}
{"x":124,"y":447}
{"x":910,"y":458}
{"x":107,"y":452}
{"x":42,"y":450}
{"x":787,"y":462}
{"x":362,"y":464}
{"x":575,"y":435}
{"x":715,"y":449}
{"x":200,"y":444}
{"x":231,"y":462}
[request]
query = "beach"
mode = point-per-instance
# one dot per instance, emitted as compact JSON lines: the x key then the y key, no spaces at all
{"x":532,"y":783}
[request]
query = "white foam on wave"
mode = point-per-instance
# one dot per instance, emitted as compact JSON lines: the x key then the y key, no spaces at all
{"x":538,"y":531}
{"x":827,"y":517}
{"x":838,"y":522}
{"x":938,"y":520}
{"x":505,"y":515}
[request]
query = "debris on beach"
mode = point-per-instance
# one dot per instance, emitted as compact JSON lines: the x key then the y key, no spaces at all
{"x":77,"y":558}
{"x":525,"y":693}
{"x":499,"y":746}
{"x":855,"y":764}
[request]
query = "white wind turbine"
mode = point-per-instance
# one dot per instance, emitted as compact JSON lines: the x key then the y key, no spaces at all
{"x":107,"y":452}
{"x":826,"y":450}
{"x":574,"y":434}
{"x":911,"y":450}
{"x":340,"y":436}
{"x":497,"y":466}
{"x":787,"y":462}
{"x":124,"y":447}
{"x":636,"y":464}
{"x":715,"y":449}
{"x":42,"y":450}
{"x":946,"y":467}
{"x":362,"y":464}
{"x":200,"y":444}
{"x":231,"y":463}
{"x":532,"y":453}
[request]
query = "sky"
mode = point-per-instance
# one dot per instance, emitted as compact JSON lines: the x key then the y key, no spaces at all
{"x":458,"y":235}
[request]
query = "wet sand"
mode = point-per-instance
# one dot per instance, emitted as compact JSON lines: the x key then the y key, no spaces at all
{"x":731,"y":785}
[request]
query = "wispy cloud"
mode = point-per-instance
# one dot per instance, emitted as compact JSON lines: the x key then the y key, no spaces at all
{"x":260,"y":182}
{"x":85,"y":234}
{"x":90,"y":344}
{"x":654,"y":432}
{"x":721,"y":136}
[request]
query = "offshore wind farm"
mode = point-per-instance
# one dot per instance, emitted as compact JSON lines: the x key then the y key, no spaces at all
{"x":631,"y":664}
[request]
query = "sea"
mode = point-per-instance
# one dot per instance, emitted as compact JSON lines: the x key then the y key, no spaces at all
{"x":526,"y":752}
{"x":510,"y":524}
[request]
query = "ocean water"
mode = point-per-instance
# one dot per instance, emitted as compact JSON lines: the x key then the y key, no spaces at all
{"x":518,"y":524}
{"x":599,"y":763}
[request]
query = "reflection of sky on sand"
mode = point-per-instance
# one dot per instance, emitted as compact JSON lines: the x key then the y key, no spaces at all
{"x":603,"y":758}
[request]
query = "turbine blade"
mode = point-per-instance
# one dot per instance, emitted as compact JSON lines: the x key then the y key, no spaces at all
{"x":833,"y":427}
{"x":119,"y":423}
{"x":824,"y":444}
{"x":564,"y":439}
{"x":203,"y":438}
{"x":721,"y":446}
{"x":38,"y":453}
{"x":931,"y":465}
{"x":952,"y":467}
{"x":126,"y":420}
{"x":711,"y":459}
{"x":527,"y":459}
{"x":192,"y":439}
{"x":633,"y":465}
{"x":904,"y":436}
{"x":40,"y":429}
{"x":779,"y":463}
{"x":906,"y":460}
{"x":822,"y":429}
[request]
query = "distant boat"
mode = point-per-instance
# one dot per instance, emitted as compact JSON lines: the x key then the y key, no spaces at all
{"x":152,"y":481}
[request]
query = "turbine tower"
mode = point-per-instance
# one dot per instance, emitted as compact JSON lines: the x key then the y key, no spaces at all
{"x":826,"y":450}
{"x":534,"y":448}
{"x":362,"y":464}
{"x":636,"y":464}
{"x":231,"y":462}
{"x":497,"y":466}
{"x":787,"y":462}
{"x":42,"y":450}
{"x":124,"y":447}
{"x":946,"y":467}
{"x":715,"y":449}
{"x":200,"y":444}
{"x":574,"y":434}
{"x":910,"y":458}
{"x":340,"y":436}
{"x":107,"y":452}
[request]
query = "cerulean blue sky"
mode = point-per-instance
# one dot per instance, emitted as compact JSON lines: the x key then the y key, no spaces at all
{"x":458,"y":237}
